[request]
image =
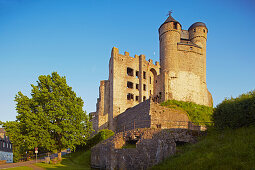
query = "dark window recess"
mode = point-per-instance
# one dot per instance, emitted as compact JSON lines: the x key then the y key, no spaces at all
{"x":156,"y":81}
{"x":130,"y":96}
{"x":175,"y":25}
{"x":150,"y":80}
{"x":204,"y":30}
{"x":144,"y":87}
{"x":136,"y":86}
{"x":129,"y":85}
{"x":130,"y":71}
{"x":136,"y":98}
{"x":137,"y":74}
{"x":158,"y":126}
{"x":144,"y":75}
{"x":194,"y":30}
{"x":144,"y":98}
{"x":150,"y":92}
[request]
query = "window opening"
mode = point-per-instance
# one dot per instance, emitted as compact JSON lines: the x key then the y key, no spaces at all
{"x":175,"y":25}
{"x":144,"y":75}
{"x":136,"y":98}
{"x":144,"y":98}
{"x":130,"y":96}
{"x":136,"y":74}
{"x":144,"y":87}
{"x":137,"y":86}
{"x":129,"y":85}
{"x":150,"y":80}
{"x":130,"y":71}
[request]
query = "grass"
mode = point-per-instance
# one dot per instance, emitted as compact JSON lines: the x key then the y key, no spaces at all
{"x":129,"y":145}
{"x":76,"y":160}
{"x":196,"y":113}
{"x":21,"y":168}
{"x":228,"y":149}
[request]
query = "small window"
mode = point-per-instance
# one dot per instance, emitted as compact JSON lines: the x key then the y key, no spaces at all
{"x":144,"y":98}
{"x":144,"y":75}
{"x":129,"y":85}
{"x":156,"y":81}
{"x":130,"y":71}
{"x":136,"y":98}
{"x":191,"y":48}
{"x":150,"y":92}
{"x":130,"y":96}
{"x":175,"y":25}
{"x":137,"y":74}
{"x":204,"y":30}
{"x":137,"y":86}
{"x":150,"y":80}
{"x":144,"y":87}
{"x":194,"y":30}
{"x":158,"y":126}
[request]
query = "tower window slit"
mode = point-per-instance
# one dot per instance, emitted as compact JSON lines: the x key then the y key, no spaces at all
{"x":129,"y":85}
{"x":130,"y":96}
{"x":130,"y":71}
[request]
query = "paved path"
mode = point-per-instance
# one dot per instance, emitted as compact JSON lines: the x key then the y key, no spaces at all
{"x":27,"y":163}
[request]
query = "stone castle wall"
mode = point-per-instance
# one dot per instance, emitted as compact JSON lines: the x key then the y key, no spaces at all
{"x":151,"y":147}
{"x":151,"y":115}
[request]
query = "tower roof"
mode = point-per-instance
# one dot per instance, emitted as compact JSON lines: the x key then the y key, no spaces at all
{"x":170,"y":19}
{"x":197,"y":24}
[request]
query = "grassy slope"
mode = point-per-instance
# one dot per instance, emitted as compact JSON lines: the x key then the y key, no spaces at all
{"x":228,"y":149}
{"x":196,"y":112}
{"x":76,"y":160}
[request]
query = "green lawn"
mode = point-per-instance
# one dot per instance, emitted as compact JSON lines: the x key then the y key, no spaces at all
{"x":76,"y":160}
{"x":228,"y":149}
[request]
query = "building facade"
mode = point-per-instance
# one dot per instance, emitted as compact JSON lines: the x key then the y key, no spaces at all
{"x":180,"y":75}
{"x":5,"y":147}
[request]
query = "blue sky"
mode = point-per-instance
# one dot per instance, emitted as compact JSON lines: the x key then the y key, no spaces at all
{"x":75,"y":37}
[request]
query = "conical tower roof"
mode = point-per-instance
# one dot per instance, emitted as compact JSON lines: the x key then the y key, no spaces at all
{"x":170,"y":19}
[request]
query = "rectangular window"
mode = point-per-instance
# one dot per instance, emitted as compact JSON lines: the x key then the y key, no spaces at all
{"x":144,"y":75}
{"x":144,"y":98}
{"x":136,"y":98}
{"x":150,"y":80}
{"x":130,"y":96}
{"x":144,"y":87}
{"x":130,"y":71}
{"x":175,"y":25}
{"x":129,"y":85}
{"x":150,"y":92}
{"x":137,"y":74}
{"x":137,"y":86}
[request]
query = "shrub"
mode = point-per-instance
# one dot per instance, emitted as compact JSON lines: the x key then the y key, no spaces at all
{"x":100,"y":136}
{"x":196,"y":113}
{"x":235,"y":112}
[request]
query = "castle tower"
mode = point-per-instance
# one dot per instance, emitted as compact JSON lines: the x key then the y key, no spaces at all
{"x":169,"y":36}
{"x":183,"y":62}
{"x":198,"y":35}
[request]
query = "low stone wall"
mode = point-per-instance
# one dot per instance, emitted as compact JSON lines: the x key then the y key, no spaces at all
{"x":151,"y":115}
{"x":151,"y":147}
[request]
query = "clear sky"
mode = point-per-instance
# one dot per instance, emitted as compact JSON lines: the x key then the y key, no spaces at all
{"x":75,"y":37}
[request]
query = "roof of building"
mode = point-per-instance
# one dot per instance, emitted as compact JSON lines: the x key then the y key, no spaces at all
{"x":197,"y":24}
{"x":170,"y":19}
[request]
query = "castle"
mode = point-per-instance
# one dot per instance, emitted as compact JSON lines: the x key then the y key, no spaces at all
{"x":180,"y":75}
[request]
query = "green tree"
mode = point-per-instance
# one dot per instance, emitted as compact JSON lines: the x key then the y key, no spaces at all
{"x":53,"y":118}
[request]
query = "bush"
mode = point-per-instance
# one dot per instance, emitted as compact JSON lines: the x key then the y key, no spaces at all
{"x":196,"y":113}
{"x":235,"y":112}
{"x":100,"y":136}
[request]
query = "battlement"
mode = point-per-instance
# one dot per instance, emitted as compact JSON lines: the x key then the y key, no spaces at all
{"x":126,"y":56}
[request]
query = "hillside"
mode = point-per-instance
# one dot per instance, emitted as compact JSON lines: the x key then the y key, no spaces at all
{"x":228,"y":149}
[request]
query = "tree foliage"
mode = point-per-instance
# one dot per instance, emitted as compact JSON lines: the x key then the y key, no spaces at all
{"x":235,"y":112}
{"x":53,"y":118}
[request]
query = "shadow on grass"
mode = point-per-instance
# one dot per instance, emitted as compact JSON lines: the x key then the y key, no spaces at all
{"x":76,"y":160}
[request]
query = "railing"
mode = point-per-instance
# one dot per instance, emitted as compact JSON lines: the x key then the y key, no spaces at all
{"x":163,"y":124}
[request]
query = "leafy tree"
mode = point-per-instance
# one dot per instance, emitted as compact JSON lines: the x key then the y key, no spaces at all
{"x":52,"y":118}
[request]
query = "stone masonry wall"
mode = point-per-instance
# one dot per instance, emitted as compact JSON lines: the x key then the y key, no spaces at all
{"x":151,"y":147}
{"x":149,"y":114}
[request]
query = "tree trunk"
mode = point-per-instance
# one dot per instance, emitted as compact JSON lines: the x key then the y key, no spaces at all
{"x":59,"y":155}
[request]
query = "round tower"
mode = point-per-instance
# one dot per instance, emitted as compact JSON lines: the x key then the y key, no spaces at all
{"x":198,"y":35}
{"x":169,"y":36}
